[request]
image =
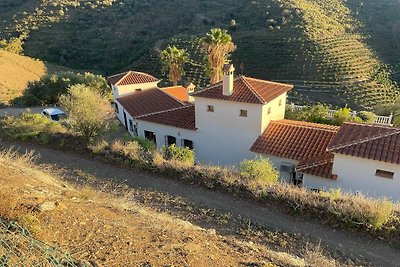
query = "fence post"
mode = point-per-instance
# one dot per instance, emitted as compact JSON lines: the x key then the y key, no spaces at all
{"x":390,"y":118}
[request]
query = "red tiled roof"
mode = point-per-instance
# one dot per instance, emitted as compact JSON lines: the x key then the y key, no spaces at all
{"x":374,"y":142}
{"x":131,"y":77}
{"x":248,"y":90}
{"x":319,"y":166}
{"x":178,"y":92}
{"x":182,"y":117}
{"x":148,"y":101}
{"x":294,"y":139}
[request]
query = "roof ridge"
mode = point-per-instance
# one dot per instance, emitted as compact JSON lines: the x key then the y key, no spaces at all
{"x":306,"y":124}
{"x":243,"y":78}
{"x":163,"y":111}
{"x":126,"y":75}
{"x":313,"y":164}
{"x":207,"y":88}
{"x":265,"y":81}
{"x":118,"y":74}
{"x":363,"y":140}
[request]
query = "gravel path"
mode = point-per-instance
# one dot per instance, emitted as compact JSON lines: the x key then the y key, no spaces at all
{"x":370,"y":250}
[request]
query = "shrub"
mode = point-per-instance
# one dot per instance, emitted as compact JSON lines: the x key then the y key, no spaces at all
{"x":29,"y":126}
{"x":146,"y":144}
{"x":28,"y":100}
{"x":367,"y":116}
{"x":50,"y":87}
{"x":342,"y":115}
{"x":130,"y":149}
{"x":99,"y":147}
{"x":182,"y":154}
{"x":317,"y":113}
{"x":89,"y":112}
{"x":258,"y":172}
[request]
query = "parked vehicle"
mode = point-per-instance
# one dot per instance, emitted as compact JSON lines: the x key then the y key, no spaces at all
{"x":53,"y":114}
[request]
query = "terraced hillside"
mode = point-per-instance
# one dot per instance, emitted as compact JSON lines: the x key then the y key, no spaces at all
{"x":333,"y":51}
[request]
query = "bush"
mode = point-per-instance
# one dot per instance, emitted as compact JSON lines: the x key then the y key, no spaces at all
{"x":258,"y":172}
{"x":367,"y":116}
{"x":182,"y":154}
{"x":317,"y":113}
{"x":146,"y":144}
{"x":89,"y":112}
{"x":50,"y":87}
{"x":30,"y":126}
{"x":344,"y":115}
{"x":131,"y":149}
{"x":27,"y":100}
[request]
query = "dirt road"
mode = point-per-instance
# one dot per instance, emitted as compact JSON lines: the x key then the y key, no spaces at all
{"x":376,"y":252}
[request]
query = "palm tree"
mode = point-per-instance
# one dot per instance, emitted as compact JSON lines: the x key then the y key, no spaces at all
{"x":173,"y":60}
{"x":218,"y":44}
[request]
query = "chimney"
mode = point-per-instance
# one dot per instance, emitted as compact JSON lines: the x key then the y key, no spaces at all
{"x":190,"y":89}
{"x":227,"y":84}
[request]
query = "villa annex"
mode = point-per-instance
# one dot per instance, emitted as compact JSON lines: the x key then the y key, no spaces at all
{"x":242,"y":117}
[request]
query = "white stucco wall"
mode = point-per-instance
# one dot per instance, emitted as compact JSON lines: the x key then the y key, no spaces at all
{"x":358,"y":174}
{"x":277,"y":111}
{"x":223,"y":136}
{"x":121,"y":90}
{"x":163,"y":130}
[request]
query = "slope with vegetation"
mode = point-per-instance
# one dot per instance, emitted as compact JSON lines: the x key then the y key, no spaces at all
{"x":333,"y":51}
{"x":74,"y":219}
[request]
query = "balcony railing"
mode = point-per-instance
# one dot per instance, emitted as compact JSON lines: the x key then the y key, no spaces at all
{"x":385,"y":120}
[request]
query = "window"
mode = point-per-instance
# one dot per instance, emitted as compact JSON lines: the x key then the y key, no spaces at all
{"x":269,"y":110}
{"x":138,"y":90}
{"x":384,"y":174}
{"x":187,"y":143}
{"x":280,"y":102}
{"x":135,"y":130}
{"x":210,"y":108}
{"x":131,"y":125}
{"x":116,"y":108}
{"x":150,"y":136}
{"x":243,"y":113}
{"x":170,"y":140}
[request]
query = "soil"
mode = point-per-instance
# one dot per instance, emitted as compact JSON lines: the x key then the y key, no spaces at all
{"x":352,"y":246}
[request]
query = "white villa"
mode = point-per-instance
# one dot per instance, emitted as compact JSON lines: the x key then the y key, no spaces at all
{"x":242,"y":117}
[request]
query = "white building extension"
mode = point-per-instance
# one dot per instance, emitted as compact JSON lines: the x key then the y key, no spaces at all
{"x":242,"y":117}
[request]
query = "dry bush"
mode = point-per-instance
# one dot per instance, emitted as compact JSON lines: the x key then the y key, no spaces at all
{"x":314,"y":257}
{"x":99,"y":147}
{"x":130,"y":149}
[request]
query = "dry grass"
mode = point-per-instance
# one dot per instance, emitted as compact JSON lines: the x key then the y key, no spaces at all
{"x":114,"y":231}
{"x":15,"y":72}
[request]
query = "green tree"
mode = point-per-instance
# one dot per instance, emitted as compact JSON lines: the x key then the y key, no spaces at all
{"x":50,"y":87}
{"x":173,"y":60}
{"x":218,"y":44}
{"x":89,"y":112}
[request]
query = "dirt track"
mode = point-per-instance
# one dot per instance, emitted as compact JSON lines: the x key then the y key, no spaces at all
{"x":373,"y":251}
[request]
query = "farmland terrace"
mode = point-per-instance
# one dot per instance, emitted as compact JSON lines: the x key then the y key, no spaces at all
{"x":333,"y":51}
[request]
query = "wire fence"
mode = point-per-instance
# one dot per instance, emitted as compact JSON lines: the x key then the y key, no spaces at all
{"x":19,"y":248}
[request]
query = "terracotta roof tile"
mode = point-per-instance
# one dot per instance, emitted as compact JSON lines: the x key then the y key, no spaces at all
{"x":182,"y":117}
{"x":148,"y":101}
{"x":131,"y":77}
{"x":294,"y":139}
{"x":178,"y":92}
{"x":369,"y":141}
{"x":320,"y":166}
{"x":248,"y":90}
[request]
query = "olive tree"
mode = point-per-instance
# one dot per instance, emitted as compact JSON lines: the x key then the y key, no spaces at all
{"x":89,"y":112}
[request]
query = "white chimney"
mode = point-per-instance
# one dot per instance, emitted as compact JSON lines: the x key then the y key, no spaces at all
{"x":227,"y":84}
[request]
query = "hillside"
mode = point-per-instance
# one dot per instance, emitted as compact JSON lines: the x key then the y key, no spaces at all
{"x":333,"y":51}
{"x":94,"y":226}
{"x":15,"y":73}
